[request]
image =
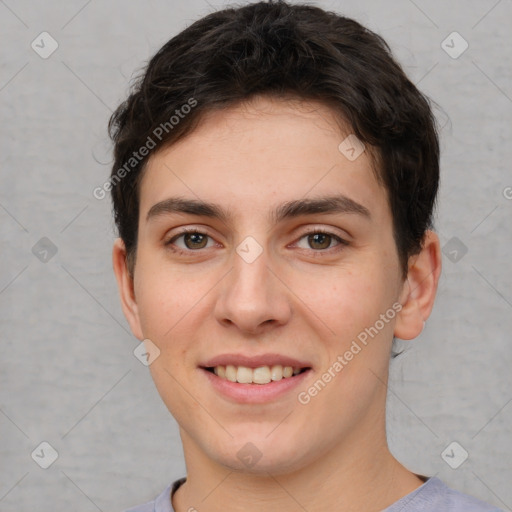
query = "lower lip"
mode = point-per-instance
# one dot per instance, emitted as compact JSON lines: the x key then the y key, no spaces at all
{"x":255,"y":393}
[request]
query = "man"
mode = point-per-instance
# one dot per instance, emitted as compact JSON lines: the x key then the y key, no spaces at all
{"x":274,"y":180}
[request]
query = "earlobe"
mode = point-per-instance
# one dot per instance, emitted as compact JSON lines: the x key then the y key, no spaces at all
{"x":126,"y":288}
{"x":419,"y":289}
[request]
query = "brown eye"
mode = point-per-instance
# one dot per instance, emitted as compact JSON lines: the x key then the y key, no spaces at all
{"x":195,"y":240}
{"x":190,"y":241}
{"x":319,"y":240}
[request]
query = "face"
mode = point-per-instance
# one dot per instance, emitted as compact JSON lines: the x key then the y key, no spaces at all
{"x":261,"y":245}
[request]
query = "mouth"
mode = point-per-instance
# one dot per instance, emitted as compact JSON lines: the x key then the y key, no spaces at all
{"x":260,"y":375}
{"x":255,"y":379}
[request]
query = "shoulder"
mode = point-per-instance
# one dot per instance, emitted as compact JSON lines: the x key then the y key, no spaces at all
{"x":434,"y":495}
{"x":147,"y":507}
{"x":161,"y":503}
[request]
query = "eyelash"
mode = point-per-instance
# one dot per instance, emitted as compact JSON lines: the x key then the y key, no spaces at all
{"x":170,"y":243}
{"x":318,"y":252}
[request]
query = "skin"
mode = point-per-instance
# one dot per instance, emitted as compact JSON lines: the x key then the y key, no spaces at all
{"x":298,"y":298}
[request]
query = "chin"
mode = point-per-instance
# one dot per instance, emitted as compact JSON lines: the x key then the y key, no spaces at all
{"x":276,"y":464}
{"x":261,"y":454}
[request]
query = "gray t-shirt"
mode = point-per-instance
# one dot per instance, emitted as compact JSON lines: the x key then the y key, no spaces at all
{"x":432,"y":496}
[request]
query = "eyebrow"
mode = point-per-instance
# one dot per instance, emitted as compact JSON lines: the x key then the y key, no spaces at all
{"x":288,"y":210}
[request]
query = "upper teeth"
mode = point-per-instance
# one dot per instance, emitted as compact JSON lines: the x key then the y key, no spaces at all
{"x":261,"y":375}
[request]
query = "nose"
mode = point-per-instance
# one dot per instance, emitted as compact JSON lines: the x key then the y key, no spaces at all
{"x":252,"y":297}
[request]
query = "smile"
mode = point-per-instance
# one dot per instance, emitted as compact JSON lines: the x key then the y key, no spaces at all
{"x":254,"y":378}
{"x":259,"y":375}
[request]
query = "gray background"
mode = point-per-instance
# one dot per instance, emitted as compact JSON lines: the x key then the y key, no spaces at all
{"x":68,"y":373}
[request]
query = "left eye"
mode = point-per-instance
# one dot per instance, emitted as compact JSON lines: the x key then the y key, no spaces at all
{"x":320,"y":241}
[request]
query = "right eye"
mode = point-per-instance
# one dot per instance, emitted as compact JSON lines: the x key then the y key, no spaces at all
{"x":191,"y":240}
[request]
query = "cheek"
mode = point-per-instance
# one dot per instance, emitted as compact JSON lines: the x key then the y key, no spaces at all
{"x":345,"y":300}
{"x":165,"y":297}
{"x":168,"y":305}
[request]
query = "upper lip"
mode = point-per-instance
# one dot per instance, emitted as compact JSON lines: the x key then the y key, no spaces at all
{"x":254,"y":361}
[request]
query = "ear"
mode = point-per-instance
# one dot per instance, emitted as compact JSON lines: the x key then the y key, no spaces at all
{"x":419,"y":288}
{"x":126,"y":289}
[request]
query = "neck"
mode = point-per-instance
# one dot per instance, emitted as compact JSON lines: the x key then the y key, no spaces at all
{"x":352,"y":476}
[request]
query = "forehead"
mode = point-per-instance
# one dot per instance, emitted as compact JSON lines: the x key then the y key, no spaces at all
{"x":259,"y":154}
